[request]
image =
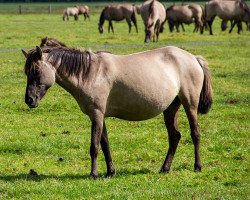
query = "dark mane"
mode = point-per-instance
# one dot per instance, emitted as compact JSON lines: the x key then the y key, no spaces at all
{"x":102,"y":16}
{"x":71,"y":61}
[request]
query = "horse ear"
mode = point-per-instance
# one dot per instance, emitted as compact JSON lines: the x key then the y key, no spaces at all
{"x":25,"y":53}
{"x":39,"y":52}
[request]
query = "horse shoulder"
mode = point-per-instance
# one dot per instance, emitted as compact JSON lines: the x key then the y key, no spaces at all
{"x":96,"y":88}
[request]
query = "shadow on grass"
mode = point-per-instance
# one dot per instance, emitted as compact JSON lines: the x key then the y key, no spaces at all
{"x":41,"y":177}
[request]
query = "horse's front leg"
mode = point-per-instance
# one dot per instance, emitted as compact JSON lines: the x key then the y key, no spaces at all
{"x":96,"y":134}
{"x":111,"y":25}
{"x":129,"y":25}
{"x":106,"y":151}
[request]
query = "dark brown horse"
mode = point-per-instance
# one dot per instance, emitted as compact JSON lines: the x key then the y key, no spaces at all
{"x":132,"y":87}
{"x":118,"y":13}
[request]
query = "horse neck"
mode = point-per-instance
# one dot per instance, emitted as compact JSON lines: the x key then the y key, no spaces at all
{"x":70,"y":74}
{"x":102,"y":17}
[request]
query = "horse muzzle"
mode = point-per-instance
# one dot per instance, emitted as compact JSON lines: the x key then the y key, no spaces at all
{"x":32,"y":102}
{"x":147,"y":40}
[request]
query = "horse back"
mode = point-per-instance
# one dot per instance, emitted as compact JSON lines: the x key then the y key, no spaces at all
{"x":225,"y":9}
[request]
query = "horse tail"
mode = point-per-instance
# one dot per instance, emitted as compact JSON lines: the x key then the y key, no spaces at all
{"x":133,"y":16}
{"x":206,"y":100}
{"x":151,"y":7}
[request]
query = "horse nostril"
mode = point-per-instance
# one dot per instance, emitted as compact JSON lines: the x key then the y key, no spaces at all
{"x":30,"y":100}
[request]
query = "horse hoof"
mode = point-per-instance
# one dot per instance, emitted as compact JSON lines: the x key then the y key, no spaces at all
{"x":164,"y":171}
{"x":110,"y":174}
{"x":197,"y":169}
{"x":93,"y":176}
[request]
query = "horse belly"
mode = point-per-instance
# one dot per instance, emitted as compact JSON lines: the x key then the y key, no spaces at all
{"x":141,"y":97}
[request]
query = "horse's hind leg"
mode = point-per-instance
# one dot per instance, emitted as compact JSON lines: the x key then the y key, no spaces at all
{"x":171,"y":122}
{"x":133,"y":18}
{"x":106,"y":152}
{"x":191,"y":111}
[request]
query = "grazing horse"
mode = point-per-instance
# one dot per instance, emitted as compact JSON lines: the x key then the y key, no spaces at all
{"x":51,"y":42}
{"x":84,"y":10}
{"x":154,"y":16}
{"x":186,"y":14}
{"x":132,"y":87}
{"x":118,"y":13}
{"x":226,"y":10}
{"x":73,"y":11}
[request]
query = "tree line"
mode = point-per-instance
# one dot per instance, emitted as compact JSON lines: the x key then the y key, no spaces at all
{"x":85,"y":1}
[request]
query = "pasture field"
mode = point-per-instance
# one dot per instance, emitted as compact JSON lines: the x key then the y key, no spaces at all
{"x":37,"y":138}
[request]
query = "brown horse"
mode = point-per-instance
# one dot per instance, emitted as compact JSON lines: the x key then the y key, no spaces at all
{"x":51,"y":42}
{"x":132,"y":87}
{"x":226,"y":10}
{"x":187,"y":14}
{"x":73,"y":11}
{"x":153,"y":15}
{"x":83,"y":10}
{"x":118,"y":13}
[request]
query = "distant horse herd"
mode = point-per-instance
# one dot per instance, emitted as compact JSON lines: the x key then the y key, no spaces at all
{"x":154,"y":16}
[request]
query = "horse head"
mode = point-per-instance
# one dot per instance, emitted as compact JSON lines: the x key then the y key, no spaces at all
{"x":149,"y":31}
{"x":40,"y":76}
{"x":100,"y":28}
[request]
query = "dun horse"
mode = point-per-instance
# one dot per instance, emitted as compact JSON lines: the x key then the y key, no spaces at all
{"x":153,"y":15}
{"x":187,"y":14}
{"x":73,"y":11}
{"x":51,"y":42}
{"x":226,"y":10}
{"x":84,"y":10}
{"x":132,"y":87}
{"x":118,"y":13}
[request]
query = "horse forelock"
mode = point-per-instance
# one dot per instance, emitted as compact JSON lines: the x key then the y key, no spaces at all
{"x":30,"y":64}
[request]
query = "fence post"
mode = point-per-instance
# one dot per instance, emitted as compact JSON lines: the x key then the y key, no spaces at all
{"x":20,"y":9}
{"x":49,"y":9}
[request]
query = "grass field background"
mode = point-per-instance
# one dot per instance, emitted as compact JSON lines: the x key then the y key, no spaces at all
{"x":37,"y":138}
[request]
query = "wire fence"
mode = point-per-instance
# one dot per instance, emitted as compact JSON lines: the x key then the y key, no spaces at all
{"x":135,"y":46}
{"x":57,"y":8}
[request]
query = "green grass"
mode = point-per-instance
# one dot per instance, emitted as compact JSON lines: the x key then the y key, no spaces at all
{"x":37,"y":138}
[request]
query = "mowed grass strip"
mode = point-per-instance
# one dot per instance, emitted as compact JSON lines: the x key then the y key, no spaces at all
{"x":53,"y":140}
